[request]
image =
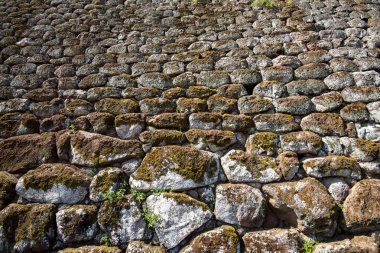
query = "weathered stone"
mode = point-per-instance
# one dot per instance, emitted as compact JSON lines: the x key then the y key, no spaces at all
{"x":191,"y":105}
{"x":7,"y":188}
{"x":312,"y":71}
{"x":219,"y":104}
{"x":129,"y":125}
{"x":94,"y":80}
{"x":232,"y":91}
{"x":177,"y":121}
{"x":277,"y":73}
{"x":242,"y":167}
{"x":122,"y":220}
{"x":355,"y":112}
{"x":356,"y":244}
{"x":253,"y":105}
{"x":295,"y":105}
{"x":91,"y":249}
{"x":199,"y":92}
{"x":337,"y":188}
{"x":374,"y":111}
{"x":361,"y":150}
{"x":305,"y":204}
{"x":178,"y":216}
{"x":177,"y":168}
{"x":141,"y":247}
{"x":238,"y":123}
{"x":14,"y":105}
{"x":77,"y":223}
{"x":25,"y":152}
{"x":271,"y":89}
{"x":213,"y":140}
{"x":331,"y":166}
{"x":361,"y":94}
{"x":303,"y":142}
{"x":327,"y":101}
{"x":88,"y":149}
{"x":155,"y":80}
{"x":273,"y":240}
{"x":27,"y":228}
{"x":161,"y":137}
{"x":152,"y":106}
{"x":107,"y":180}
{"x":306,"y":87}
{"x":314,"y":56}
{"x":245,"y":76}
{"x":264,"y":143}
{"x":368,"y":131}
{"x":339,"y":81}
{"x":54,"y":183}
{"x":213,"y":79}
{"x":205,"y":120}
{"x":116,"y":106}
{"x":288,"y":163}
{"x":324,"y":124}
{"x":361,"y":207}
{"x":12,"y":124}
{"x":222,"y":239}
{"x":277,"y":122}
{"x":240,"y":204}
{"x":122,"y":81}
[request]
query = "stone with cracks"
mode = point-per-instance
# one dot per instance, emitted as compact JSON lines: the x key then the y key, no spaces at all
{"x":304,"y":204}
{"x":241,"y":167}
{"x":176,"y":168}
{"x":178,"y":215}
{"x":54,"y":183}
{"x":240,"y":204}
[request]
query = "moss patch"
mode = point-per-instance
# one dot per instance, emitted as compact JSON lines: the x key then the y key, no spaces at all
{"x":184,"y":199}
{"x":190,"y":163}
{"x":47,"y":175}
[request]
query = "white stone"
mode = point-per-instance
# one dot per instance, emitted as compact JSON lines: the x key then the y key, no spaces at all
{"x":175,"y":220}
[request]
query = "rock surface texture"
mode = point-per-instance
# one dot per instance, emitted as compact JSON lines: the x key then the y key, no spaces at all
{"x":189,"y":126}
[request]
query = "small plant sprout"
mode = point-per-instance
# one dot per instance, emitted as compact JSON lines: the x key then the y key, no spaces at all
{"x":308,"y":245}
{"x":138,"y":195}
{"x":73,"y":129}
{"x":150,"y":218}
{"x":119,"y":194}
{"x":105,"y":240}
{"x":157,"y":191}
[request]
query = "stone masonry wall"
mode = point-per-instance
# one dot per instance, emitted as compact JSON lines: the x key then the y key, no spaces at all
{"x":207,"y":126}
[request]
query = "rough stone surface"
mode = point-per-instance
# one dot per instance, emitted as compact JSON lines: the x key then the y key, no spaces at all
{"x":359,"y":208}
{"x":273,"y":240}
{"x":54,"y":183}
{"x":122,"y":220}
{"x":305,"y":204}
{"x":176,"y":168}
{"x":240,"y":204}
{"x":179,"y":215}
{"x":242,"y":167}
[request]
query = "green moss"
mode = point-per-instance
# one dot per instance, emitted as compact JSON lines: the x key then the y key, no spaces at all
{"x":372,"y":148}
{"x":263,"y":140}
{"x":105,"y":181}
{"x":162,"y":137}
{"x":19,"y":221}
{"x":216,"y":137}
{"x":184,"y":199}
{"x":47,"y":175}
{"x":190,"y":163}
{"x":255,"y":164}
